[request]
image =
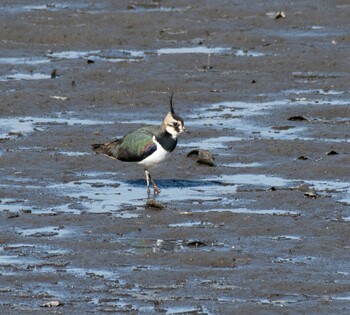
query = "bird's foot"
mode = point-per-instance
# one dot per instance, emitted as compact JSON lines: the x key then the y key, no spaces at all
{"x":156,"y":190}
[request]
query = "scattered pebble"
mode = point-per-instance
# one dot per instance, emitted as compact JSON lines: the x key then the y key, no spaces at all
{"x":195,"y":244}
{"x":302,"y":187}
{"x":311,"y":194}
{"x":154,"y":204}
{"x":297,"y":118}
{"x":15,"y":133}
{"x":280,"y":15}
{"x":332,"y":153}
{"x":205,"y":157}
{"x":11,"y":215}
{"x":53,"y":73}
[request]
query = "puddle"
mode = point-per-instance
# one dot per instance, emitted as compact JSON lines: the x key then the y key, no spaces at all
{"x":193,"y":50}
{"x":137,"y":55}
{"x":329,"y":185}
{"x":255,"y":211}
{"x":93,"y":8}
{"x":97,"y":195}
{"x":153,"y":246}
{"x":23,"y":61}
{"x":337,"y":189}
{"x":156,"y":8}
{"x":295,"y":260}
{"x":196,"y":224}
{"x":12,"y":127}
{"x":13,"y":205}
{"x":72,"y":54}
{"x":100,"y":193}
{"x":113,"y":56}
{"x":240,"y":117}
{"x":255,"y":180}
{"x":25,"y":76}
{"x":313,"y":91}
{"x":13,"y":260}
{"x":74,"y":154}
{"x":242,"y":165}
{"x":287,"y":238}
{"x":211,"y":143}
{"x":304,"y":33}
{"x":282,"y":301}
{"x":47,"y":231}
{"x":317,"y":75}
{"x":345,"y":200}
{"x":84,"y":272}
{"x":186,"y":310}
{"x":341,"y":298}
{"x":144,"y":246}
{"x":248,"y":53}
{"x":52,"y":7}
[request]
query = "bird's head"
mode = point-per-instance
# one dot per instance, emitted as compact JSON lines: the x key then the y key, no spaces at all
{"x":173,"y":123}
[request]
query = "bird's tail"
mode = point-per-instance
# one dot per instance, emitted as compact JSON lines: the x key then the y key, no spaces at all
{"x":110,"y":149}
{"x":99,"y":148}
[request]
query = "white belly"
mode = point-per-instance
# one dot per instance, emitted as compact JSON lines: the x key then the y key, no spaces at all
{"x":157,"y":157}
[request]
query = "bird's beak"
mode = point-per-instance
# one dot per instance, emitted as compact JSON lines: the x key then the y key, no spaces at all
{"x":185,"y":130}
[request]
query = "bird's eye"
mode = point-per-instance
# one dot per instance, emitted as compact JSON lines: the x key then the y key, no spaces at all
{"x":175,"y":124}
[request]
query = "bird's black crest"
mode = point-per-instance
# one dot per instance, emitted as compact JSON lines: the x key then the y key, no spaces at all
{"x":171,"y":104}
{"x":175,"y":116}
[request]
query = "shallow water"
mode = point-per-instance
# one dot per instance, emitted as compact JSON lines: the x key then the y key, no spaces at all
{"x":242,"y":119}
{"x":47,"y":231}
{"x":25,"y":76}
{"x":28,"y":124}
{"x":101,"y":193}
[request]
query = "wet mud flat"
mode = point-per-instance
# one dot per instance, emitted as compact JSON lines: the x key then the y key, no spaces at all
{"x":266,"y":230}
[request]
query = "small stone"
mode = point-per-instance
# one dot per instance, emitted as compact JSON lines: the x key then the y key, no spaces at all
{"x":11,"y":215}
{"x":15,"y":133}
{"x":205,"y":157}
{"x":303,"y":158}
{"x":280,"y":15}
{"x":302,"y":187}
{"x":53,"y":73}
{"x":195,"y":244}
{"x":332,"y":153}
{"x":154,"y":204}
{"x":311,"y":194}
{"x":297,"y":118}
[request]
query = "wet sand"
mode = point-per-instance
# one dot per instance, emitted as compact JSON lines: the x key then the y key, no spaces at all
{"x":266,"y":230}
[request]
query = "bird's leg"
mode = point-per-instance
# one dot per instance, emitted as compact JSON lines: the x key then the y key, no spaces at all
{"x":147,"y":181}
{"x":155,"y":188}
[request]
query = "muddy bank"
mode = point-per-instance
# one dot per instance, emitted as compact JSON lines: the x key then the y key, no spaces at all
{"x":265,"y":230}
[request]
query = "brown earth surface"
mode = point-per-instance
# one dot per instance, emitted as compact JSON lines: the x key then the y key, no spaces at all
{"x":264,"y":231}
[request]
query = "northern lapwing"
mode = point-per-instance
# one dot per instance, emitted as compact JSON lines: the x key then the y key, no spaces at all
{"x":147,"y":146}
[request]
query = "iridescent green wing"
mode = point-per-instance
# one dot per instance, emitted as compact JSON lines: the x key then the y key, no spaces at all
{"x":138,"y":144}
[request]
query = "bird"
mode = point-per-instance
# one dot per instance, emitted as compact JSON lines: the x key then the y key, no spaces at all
{"x":147,"y":146}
